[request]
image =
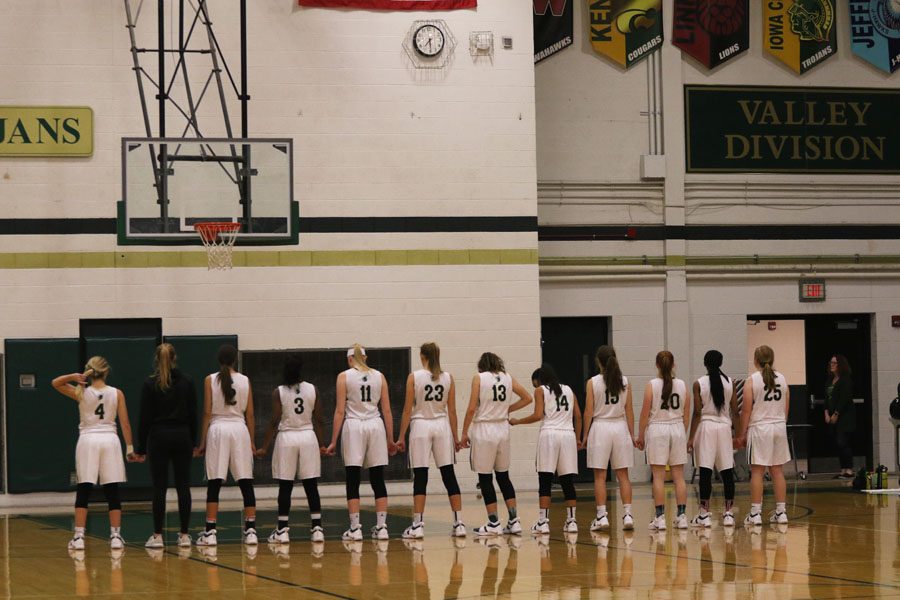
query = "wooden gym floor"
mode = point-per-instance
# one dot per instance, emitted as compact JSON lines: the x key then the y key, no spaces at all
{"x":840,"y":544}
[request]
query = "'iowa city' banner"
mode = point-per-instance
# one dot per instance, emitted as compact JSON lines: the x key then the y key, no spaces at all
{"x":392,"y":4}
{"x":711,"y":31}
{"x":875,"y":32}
{"x":800,"y":33}
{"x":552,"y":27}
{"x":626,"y":31}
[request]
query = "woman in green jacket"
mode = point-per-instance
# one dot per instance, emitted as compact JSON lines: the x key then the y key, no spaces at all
{"x":840,"y":411}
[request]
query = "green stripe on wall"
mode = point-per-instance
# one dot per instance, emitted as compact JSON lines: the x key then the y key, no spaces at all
{"x":267,"y":258}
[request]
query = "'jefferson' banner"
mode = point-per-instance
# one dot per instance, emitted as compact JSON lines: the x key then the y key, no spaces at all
{"x":792,"y":130}
{"x":625,"y":31}
{"x":711,"y":31}
{"x":392,"y":4}
{"x":799,"y":33}
{"x":552,"y":27}
{"x":875,"y":32}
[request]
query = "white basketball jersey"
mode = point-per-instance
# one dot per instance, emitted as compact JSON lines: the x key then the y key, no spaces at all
{"x":431,"y":395}
{"x":494,"y":397}
{"x":230,"y":412}
{"x":708,"y":410}
{"x":559,"y":411}
{"x":297,"y":404}
{"x":363,"y":393}
{"x":97,"y":409}
{"x":672,"y":410}
{"x":768,"y":405}
{"x":606,"y":406}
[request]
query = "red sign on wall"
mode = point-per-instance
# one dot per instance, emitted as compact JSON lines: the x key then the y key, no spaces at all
{"x":392,"y":4}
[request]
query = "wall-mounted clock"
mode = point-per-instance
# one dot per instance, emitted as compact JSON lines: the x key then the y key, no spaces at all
{"x":428,"y":40}
{"x":429,"y":44}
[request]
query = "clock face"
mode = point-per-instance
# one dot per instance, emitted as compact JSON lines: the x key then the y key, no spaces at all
{"x":428,"y":40}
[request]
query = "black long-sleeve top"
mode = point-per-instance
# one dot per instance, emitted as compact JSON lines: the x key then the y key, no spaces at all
{"x":175,"y":406}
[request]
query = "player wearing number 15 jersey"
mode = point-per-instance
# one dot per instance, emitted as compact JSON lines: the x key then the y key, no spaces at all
{"x":665,"y":417}
{"x":490,"y":402}
{"x":430,"y":415}
{"x":367,"y":437}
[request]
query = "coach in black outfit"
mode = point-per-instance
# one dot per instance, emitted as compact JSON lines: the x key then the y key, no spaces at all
{"x":167,"y":433}
{"x":840,"y":412}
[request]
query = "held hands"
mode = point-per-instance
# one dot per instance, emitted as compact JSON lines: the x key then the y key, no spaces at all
{"x":261,"y":452}
{"x":690,"y":447}
{"x":582,"y":444}
{"x":323,"y":451}
{"x":135,"y":458}
{"x":329,"y":451}
{"x":400,"y":446}
{"x":464,"y":442}
{"x":199,"y":451}
{"x":392,"y":448}
{"x":639,"y":442}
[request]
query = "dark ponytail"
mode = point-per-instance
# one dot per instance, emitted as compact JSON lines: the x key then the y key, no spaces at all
{"x":547,"y":376}
{"x":227,"y":356}
{"x":712,"y":360}
{"x":665,"y":362}
{"x":609,"y":366}
{"x":491,"y":363}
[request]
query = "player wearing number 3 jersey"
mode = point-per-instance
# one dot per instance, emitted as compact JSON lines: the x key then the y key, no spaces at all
{"x":665,"y":418}
{"x":490,"y":402}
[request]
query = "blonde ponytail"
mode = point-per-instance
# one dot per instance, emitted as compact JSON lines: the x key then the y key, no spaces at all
{"x":358,"y":358}
{"x":96,"y":367}
{"x":163,"y":363}
{"x":764,"y":357}
{"x":432,"y":355}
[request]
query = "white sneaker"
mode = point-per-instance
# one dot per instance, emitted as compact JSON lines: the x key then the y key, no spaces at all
{"x":184,"y":540}
{"x":680,"y":521}
{"x":207,"y":538}
{"x":628,"y":522}
{"x":778,"y":518}
{"x":77,"y":542}
{"x":317,"y":535}
{"x":728,"y":519}
{"x":416,"y":531}
{"x":155,"y":541}
{"x":489,"y":529}
{"x":116,"y":542}
{"x":380,"y":532}
{"x":280,"y":536}
{"x":513,"y":527}
{"x":753,"y":520}
{"x":352,"y":535}
{"x":459,"y":530}
{"x":571,"y":526}
{"x":601,"y":523}
{"x":701,"y":521}
{"x":659,"y":523}
{"x":541,"y":527}
{"x":250,"y":538}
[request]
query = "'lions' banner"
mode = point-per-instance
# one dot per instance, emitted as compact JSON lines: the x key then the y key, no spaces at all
{"x":711,"y":31}
{"x":392,"y":4}
{"x":626,"y":31}
{"x":800,"y":33}
{"x":875,"y":32}
{"x":552,"y":27}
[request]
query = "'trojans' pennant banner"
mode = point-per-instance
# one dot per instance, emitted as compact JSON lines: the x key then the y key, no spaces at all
{"x":799,"y":33}
{"x":626,"y":31}
{"x":552,"y":27}
{"x":711,"y":31}
{"x":392,"y":4}
{"x":875,"y":32}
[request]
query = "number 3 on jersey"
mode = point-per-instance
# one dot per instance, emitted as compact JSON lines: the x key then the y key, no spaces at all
{"x":499,"y":392}
{"x":298,"y":405}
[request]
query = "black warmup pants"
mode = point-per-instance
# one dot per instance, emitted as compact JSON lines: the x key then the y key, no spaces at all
{"x":844,"y":442}
{"x":170,"y":444}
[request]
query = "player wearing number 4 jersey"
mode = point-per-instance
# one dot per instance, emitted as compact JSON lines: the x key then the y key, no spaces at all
{"x":296,"y":414}
{"x":430,"y":415}
{"x":764,"y":420}
{"x":367,"y":437}
{"x":555,"y":406}
{"x":98,"y":454}
{"x":490,"y":402}
{"x":665,"y":418}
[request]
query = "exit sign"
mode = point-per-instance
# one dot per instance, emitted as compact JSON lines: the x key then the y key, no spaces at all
{"x":812,"y":290}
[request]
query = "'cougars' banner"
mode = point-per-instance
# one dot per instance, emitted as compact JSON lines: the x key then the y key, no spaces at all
{"x":392,"y":4}
{"x":800,"y":33}
{"x":552,"y":27}
{"x":711,"y":31}
{"x":626,"y":31}
{"x":875,"y":32}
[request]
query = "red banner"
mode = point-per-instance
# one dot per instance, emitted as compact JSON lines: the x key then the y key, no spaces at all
{"x":392,"y":4}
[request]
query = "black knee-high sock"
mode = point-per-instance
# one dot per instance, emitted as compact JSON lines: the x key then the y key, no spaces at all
{"x":311,"y":487}
{"x":285,"y":487}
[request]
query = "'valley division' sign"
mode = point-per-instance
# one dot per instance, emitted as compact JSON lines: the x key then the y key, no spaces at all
{"x":46,"y":131}
{"x":792,"y":130}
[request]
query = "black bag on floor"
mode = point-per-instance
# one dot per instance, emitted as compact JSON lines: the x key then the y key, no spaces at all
{"x":859,"y":482}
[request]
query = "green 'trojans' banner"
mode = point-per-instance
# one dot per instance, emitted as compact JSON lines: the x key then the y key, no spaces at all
{"x":799,"y":33}
{"x":792,"y":130}
{"x":625,"y":31}
{"x":46,"y":131}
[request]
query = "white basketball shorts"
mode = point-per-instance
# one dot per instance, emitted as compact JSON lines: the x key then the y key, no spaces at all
{"x":98,"y":458}
{"x":429,"y":437}
{"x":610,"y":445}
{"x":228,"y":448}
{"x":768,"y":444}
{"x":364,"y":443}
{"x":666,"y":444}
{"x":713,"y":448}
{"x":557,"y":452}
{"x":490,"y":446}
{"x":296,"y":455}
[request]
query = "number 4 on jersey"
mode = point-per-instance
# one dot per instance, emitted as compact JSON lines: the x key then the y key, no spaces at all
{"x":100,"y":411}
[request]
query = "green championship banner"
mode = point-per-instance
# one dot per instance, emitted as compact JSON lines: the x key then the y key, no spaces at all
{"x":799,"y":33}
{"x":875,"y":32}
{"x":711,"y":31}
{"x":46,"y":131}
{"x":625,"y":31}
{"x":791,"y":130}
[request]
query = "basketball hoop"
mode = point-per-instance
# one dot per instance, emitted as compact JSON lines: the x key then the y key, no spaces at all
{"x":218,"y":238}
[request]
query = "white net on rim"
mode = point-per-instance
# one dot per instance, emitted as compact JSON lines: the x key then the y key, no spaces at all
{"x":218,"y":239}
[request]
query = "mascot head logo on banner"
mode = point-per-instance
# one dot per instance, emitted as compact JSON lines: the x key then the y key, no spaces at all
{"x":811,"y":19}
